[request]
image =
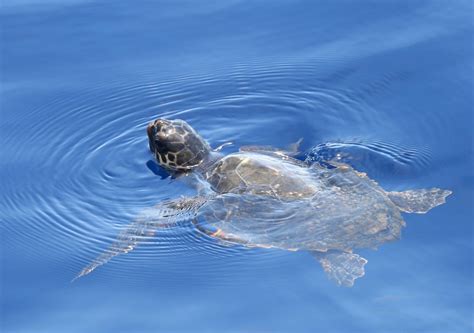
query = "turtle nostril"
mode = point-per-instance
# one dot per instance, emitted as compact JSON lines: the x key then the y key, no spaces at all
{"x":159,"y":123}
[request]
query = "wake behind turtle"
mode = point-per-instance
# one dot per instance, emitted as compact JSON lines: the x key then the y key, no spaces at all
{"x":263,"y":197}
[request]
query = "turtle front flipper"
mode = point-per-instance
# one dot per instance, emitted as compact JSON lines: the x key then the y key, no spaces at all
{"x":341,"y":267}
{"x":419,"y":201}
{"x":150,"y":220}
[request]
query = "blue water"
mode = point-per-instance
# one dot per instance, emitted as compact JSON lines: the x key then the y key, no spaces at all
{"x":385,"y":85}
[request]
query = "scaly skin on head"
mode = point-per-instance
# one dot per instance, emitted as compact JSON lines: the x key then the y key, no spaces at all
{"x":176,"y":145}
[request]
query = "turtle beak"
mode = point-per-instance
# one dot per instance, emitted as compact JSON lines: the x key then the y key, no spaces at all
{"x":151,"y":136}
{"x":153,"y":128}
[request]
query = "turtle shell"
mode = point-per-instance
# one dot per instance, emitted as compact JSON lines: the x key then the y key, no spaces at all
{"x":261,"y":174}
{"x":280,"y":204}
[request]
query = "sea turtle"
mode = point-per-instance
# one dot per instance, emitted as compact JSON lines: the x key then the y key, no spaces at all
{"x":263,"y":197}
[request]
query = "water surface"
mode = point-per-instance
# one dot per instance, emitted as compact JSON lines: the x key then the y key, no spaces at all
{"x":384,"y":86}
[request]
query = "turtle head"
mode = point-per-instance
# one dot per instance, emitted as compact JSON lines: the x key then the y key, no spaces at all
{"x":176,"y":145}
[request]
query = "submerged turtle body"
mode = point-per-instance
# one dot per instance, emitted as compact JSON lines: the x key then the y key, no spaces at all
{"x":262,"y":197}
{"x":282,"y":204}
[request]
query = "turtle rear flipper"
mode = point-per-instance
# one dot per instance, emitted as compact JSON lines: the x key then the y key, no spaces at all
{"x":341,"y":267}
{"x":419,"y":201}
{"x":150,"y":220}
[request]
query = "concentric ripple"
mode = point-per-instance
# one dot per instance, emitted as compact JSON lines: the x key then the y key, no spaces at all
{"x":86,"y":171}
{"x":381,"y":160}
